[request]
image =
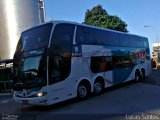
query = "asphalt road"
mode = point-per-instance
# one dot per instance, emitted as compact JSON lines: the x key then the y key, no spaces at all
{"x":130,"y":101}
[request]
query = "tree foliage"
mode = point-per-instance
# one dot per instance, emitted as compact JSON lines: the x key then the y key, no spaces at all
{"x":99,"y":17}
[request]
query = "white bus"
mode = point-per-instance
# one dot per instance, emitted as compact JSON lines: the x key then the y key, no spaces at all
{"x":61,"y":60}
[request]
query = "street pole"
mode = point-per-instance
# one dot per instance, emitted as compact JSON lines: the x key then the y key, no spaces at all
{"x":41,"y":11}
{"x":152,"y":27}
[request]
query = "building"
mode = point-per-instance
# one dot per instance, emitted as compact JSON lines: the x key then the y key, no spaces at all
{"x":17,"y":16}
{"x":156,"y":54}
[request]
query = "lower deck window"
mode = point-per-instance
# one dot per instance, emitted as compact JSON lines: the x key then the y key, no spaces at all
{"x":107,"y":63}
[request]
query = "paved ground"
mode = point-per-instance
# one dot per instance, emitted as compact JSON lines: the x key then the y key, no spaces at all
{"x":132,"y":101}
{"x":154,"y":78}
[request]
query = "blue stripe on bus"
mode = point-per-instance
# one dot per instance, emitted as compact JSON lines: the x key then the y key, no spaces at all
{"x":121,"y":74}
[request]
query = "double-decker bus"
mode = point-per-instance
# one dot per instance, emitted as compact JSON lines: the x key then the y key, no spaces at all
{"x":61,"y":60}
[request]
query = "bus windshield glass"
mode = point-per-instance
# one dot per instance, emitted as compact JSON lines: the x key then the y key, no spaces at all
{"x":35,"y":38}
{"x":30,"y":75}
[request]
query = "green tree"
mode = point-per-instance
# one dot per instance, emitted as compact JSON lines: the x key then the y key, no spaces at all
{"x":99,"y":17}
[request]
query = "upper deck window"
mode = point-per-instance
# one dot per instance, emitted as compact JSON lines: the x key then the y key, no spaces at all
{"x":62,"y":39}
{"x":35,"y":38}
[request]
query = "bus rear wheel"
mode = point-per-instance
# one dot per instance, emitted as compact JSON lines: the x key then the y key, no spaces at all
{"x":82,"y":91}
{"x":98,"y":87}
{"x":137,"y":76}
{"x":143,"y":74}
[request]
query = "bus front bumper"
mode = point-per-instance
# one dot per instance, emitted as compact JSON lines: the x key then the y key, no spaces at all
{"x":42,"y":101}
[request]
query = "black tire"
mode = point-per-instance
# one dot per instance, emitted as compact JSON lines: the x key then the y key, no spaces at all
{"x":82,"y":91}
{"x":143,"y":74}
{"x":98,"y":87}
{"x":138,"y":77}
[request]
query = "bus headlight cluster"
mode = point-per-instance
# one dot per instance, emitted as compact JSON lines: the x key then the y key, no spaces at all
{"x":40,"y":94}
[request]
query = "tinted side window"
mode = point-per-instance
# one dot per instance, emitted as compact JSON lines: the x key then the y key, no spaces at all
{"x":84,"y":35}
{"x":55,"y":69}
{"x":123,"y":40}
{"x":35,"y":38}
{"x":101,"y":64}
{"x":93,"y":36}
{"x":123,"y":61}
{"x":132,"y":42}
{"x":62,"y":40}
{"x":139,"y":41}
{"x":146,"y":43}
{"x":59,"y":68}
{"x":102,"y":37}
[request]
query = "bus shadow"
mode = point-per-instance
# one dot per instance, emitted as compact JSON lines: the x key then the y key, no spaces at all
{"x":66,"y":104}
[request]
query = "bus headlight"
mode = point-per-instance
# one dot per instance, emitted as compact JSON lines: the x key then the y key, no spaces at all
{"x":40,"y":94}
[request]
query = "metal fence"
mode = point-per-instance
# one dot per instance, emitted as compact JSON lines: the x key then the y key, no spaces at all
{"x":6,"y":81}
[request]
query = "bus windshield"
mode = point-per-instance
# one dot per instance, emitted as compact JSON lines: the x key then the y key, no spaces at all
{"x":29,"y":75}
{"x":35,"y":38}
{"x":30,"y":69}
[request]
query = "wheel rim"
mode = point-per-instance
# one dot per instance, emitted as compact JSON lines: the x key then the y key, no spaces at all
{"x":97,"y":87}
{"x":137,"y":78}
{"x":143,"y":74}
{"x":82,"y":90}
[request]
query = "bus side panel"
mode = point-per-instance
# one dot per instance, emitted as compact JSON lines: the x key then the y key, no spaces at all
{"x":121,"y":74}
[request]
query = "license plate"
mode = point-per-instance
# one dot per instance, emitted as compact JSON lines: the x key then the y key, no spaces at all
{"x":25,"y":102}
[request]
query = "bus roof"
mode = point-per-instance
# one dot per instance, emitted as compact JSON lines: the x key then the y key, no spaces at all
{"x":80,"y":24}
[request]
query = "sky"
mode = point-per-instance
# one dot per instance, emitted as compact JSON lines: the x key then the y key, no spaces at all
{"x":136,"y":13}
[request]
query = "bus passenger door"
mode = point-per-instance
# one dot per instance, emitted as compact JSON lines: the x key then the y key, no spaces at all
{"x":60,"y":60}
{"x":57,"y":74}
